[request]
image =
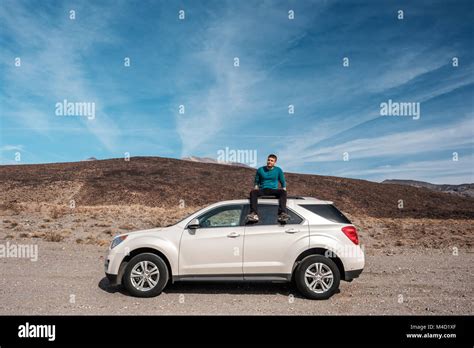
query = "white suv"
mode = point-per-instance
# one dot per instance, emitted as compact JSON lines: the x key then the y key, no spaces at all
{"x":316,"y":249}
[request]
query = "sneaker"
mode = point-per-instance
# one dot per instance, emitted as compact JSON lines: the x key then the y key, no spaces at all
{"x":283,"y":217}
{"x":252,"y":217}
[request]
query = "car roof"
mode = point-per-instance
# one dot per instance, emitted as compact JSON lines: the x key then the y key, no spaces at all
{"x":295,"y":199}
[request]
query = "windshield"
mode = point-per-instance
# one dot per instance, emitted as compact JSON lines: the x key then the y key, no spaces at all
{"x":177,"y":222}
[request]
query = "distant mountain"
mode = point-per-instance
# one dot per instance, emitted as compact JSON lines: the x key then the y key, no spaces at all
{"x":90,"y":159}
{"x":212,"y":160}
{"x":466,"y":190}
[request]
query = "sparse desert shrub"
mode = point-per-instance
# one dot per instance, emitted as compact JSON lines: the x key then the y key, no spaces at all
{"x":126,"y":227}
{"x":54,"y":213}
{"x":57,"y":211}
{"x":96,"y":241}
{"x":102,"y":242}
{"x":53,"y":237}
{"x":13,"y":207}
{"x":38,"y":235}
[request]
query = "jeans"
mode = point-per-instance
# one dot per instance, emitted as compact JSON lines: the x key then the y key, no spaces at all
{"x":278,"y":193}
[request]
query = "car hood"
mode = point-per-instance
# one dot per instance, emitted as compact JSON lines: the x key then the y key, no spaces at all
{"x":143,"y":232}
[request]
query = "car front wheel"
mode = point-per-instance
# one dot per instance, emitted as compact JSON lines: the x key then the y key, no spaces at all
{"x":146,"y":275}
{"x":317,"y":277}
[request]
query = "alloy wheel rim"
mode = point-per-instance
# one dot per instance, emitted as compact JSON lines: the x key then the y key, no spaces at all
{"x":144,"y":275}
{"x":318,"y":277}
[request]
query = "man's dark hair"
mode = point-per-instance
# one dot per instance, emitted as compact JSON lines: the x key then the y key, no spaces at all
{"x":273,"y":156}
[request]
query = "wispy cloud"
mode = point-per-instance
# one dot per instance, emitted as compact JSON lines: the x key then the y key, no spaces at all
{"x":52,"y":68}
{"x":445,"y":171}
{"x":449,"y":137}
{"x":282,"y":62}
{"x":11,"y":148}
{"x":237,"y":96}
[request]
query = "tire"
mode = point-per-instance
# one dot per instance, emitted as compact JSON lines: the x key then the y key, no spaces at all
{"x":313,"y":287}
{"x":150,"y":283}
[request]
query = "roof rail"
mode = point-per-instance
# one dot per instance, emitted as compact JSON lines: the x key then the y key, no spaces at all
{"x":273,"y":197}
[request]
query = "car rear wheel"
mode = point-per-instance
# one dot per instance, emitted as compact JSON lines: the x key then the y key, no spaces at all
{"x":146,"y":275}
{"x":317,"y":277}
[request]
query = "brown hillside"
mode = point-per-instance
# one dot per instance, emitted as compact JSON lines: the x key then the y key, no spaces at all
{"x":163,"y":182}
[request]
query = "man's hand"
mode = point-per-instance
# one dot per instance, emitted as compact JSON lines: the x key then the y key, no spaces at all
{"x":284,"y":188}
{"x":255,"y":187}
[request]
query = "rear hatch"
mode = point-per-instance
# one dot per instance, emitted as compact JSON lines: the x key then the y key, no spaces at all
{"x":331,"y":213}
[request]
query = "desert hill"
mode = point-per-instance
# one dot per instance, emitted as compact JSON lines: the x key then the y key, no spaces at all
{"x":165,"y":182}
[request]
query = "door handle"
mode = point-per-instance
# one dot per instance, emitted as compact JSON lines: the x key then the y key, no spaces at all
{"x":292,"y":230}
{"x":233,"y":235}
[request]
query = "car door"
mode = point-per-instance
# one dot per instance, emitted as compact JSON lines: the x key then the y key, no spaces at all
{"x":216,"y":247}
{"x":270,"y":247}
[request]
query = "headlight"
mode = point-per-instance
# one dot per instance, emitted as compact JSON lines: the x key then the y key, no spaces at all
{"x":117,"y":240}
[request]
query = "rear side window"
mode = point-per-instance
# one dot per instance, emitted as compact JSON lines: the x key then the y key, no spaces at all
{"x":327,"y":211}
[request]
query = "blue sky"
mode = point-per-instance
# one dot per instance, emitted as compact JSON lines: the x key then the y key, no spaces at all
{"x":190,"y":62}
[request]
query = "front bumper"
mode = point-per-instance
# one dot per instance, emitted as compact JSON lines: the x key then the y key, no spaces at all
{"x":113,"y":260}
{"x":112,"y":278}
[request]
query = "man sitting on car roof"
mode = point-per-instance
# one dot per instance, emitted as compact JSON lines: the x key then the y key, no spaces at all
{"x":266,"y":184}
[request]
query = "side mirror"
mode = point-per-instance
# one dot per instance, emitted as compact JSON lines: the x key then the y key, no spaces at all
{"x":193,"y":224}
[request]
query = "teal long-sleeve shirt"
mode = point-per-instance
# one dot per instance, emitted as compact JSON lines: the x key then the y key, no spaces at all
{"x":266,"y":178}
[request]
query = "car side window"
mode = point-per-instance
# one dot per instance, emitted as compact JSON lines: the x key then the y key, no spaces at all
{"x":227,"y":216}
{"x":268,"y":215}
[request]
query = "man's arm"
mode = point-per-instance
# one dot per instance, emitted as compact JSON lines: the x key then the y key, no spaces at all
{"x":281,"y":178}
{"x":256,"y":182}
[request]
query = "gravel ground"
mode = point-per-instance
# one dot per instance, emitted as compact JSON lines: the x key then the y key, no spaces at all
{"x":68,"y":278}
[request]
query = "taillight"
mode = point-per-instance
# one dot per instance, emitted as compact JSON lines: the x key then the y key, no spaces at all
{"x":351,"y":233}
